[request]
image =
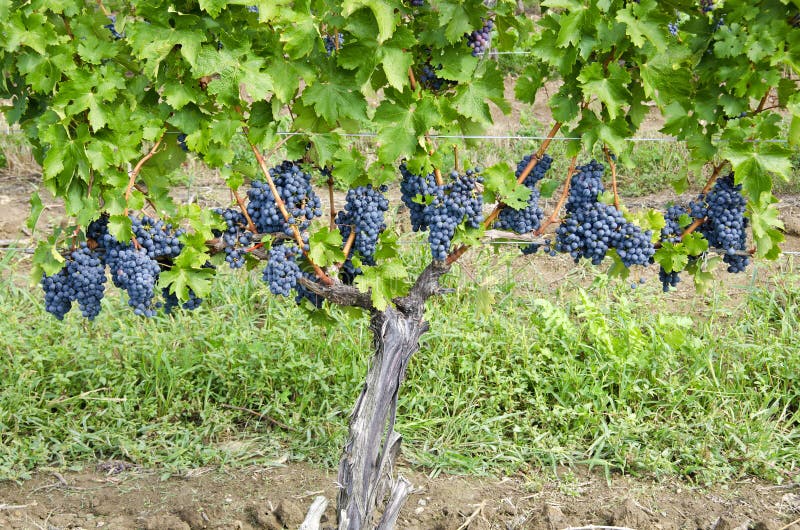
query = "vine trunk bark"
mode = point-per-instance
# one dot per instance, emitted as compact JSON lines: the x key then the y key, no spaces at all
{"x":369,"y":495}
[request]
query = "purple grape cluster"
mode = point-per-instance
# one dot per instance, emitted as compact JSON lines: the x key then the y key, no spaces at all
{"x":706,"y":6}
{"x":236,"y":236}
{"x":480,"y":39}
{"x":364,"y":212}
{"x":331,"y":45}
{"x":158,"y":238}
{"x":171,"y":301}
{"x":537,"y":173}
{"x":454,"y":203}
{"x":110,"y":27}
{"x":673,"y":230}
{"x":725,"y":227}
{"x":294,"y":187}
{"x":417,"y":3}
{"x":413,"y":191}
{"x":135,"y":272}
{"x":282,"y":270}
{"x":591,"y":228}
{"x":82,"y":280}
{"x":529,"y":218}
{"x":673,"y":28}
{"x":182,"y":142}
{"x":671,"y":233}
{"x":429,"y":80}
{"x":441,"y":209}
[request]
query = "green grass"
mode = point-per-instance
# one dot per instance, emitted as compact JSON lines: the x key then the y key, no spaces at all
{"x":591,"y":373}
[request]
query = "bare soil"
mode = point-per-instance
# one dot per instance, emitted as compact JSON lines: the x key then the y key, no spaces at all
{"x":110,"y":496}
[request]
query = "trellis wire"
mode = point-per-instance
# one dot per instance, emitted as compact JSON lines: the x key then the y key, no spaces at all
{"x":368,"y":134}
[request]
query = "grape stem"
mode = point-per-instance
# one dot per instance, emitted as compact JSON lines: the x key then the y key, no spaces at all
{"x":692,"y":227}
{"x":564,"y":193}
{"x":330,"y":199}
{"x":762,"y":102}
{"x":412,"y":80}
{"x":455,"y":158}
{"x":250,"y":225}
{"x":137,"y":169}
{"x":436,"y":173}
{"x":348,"y":245}
{"x":145,"y":192}
{"x":613,"y":166}
{"x":105,"y":11}
{"x":713,"y":178}
{"x":298,"y":237}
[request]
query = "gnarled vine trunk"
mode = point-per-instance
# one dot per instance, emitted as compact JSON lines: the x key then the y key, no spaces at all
{"x":366,"y":467}
{"x":370,"y":497}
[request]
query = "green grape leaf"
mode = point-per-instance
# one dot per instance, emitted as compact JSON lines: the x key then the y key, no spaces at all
{"x":384,"y":15}
{"x":500,"y":184}
{"x":694,"y":243}
{"x":384,"y":282}
{"x":36,"y":211}
{"x":326,"y":247}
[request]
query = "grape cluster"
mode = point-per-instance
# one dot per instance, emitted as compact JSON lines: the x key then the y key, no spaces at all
{"x":158,"y":238}
{"x":454,"y":203}
{"x":429,"y":80}
{"x":725,"y":227}
{"x":522,"y":221}
{"x":135,"y":272}
{"x":331,"y":45}
{"x":589,"y":232}
{"x":413,"y":187}
{"x":282,"y":270}
{"x":171,"y":301}
{"x":294,"y":188}
{"x":182,"y":142}
{"x":417,"y":3}
{"x":58,"y":293}
{"x":82,"y":280}
{"x":537,"y":173}
{"x":671,"y":233}
{"x":480,"y":39}
{"x":672,"y":230}
{"x":706,"y":5}
{"x":110,"y":27}
{"x":363,"y":212}
{"x":673,"y":28}
{"x":591,"y":228}
{"x":529,"y":218}
{"x":668,"y":279}
{"x":236,"y":236}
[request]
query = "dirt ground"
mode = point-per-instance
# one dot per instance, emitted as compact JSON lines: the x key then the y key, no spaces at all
{"x":111,"y":496}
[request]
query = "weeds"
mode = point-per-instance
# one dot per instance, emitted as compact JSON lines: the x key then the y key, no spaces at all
{"x":590,"y":373}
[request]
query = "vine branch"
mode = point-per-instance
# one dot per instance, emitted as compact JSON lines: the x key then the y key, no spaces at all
{"x":348,"y":245}
{"x":250,"y":225}
{"x":613,"y":166}
{"x":137,"y":169}
{"x":713,"y":178}
{"x":332,"y":225}
{"x":564,"y":193}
